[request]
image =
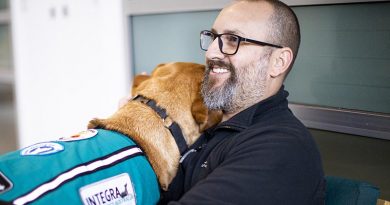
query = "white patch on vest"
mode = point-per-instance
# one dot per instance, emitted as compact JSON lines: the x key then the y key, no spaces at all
{"x":80,"y":136}
{"x":115,"y":190}
{"x":43,"y":148}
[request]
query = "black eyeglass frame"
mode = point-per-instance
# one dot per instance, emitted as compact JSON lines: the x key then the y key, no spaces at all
{"x":220,"y":43}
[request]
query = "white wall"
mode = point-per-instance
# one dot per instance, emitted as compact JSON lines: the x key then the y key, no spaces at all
{"x":71,"y":64}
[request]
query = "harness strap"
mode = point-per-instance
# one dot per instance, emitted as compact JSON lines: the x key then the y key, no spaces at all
{"x":179,"y":138}
{"x":174,"y":128}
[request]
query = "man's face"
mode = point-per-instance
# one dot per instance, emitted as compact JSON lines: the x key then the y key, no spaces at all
{"x":234,"y":82}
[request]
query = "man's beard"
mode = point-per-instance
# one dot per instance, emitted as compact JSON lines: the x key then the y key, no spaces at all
{"x":243,"y":88}
{"x":219,"y":98}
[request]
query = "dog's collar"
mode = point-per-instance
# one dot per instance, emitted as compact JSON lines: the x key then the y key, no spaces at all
{"x":168,"y":122}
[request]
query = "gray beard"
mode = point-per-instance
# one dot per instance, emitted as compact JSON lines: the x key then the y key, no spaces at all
{"x":220,"y":98}
{"x":242,"y":89}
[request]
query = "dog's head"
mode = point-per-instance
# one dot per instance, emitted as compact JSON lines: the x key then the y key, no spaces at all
{"x":176,"y":88}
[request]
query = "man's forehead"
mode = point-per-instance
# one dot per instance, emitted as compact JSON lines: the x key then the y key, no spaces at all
{"x":243,"y":18}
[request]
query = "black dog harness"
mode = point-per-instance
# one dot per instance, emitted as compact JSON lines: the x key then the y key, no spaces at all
{"x":173,"y":127}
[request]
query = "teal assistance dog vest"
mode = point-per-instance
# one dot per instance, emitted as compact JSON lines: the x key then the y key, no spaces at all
{"x":94,"y":167}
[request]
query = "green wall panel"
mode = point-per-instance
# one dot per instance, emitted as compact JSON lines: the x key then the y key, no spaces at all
{"x":344,"y":60}
{"x":168,"y":37}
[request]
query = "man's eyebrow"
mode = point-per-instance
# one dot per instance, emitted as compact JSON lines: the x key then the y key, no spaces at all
{"x":229,"y":31}
{"x":234,"y":31}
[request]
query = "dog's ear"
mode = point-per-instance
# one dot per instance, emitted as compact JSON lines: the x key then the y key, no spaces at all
{"x":213,"y":118}
{"x":199,"y":111}
{"x":138,"y":79}
{"x":203,"y":117}
{"x":160,"y":65}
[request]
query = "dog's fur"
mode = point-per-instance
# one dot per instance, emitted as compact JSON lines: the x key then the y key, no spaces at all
{"x":176,"y":88}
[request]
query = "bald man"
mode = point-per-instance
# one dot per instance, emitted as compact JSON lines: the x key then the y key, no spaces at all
{"x":260,"y":153}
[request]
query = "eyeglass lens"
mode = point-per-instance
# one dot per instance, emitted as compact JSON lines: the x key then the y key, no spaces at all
{"x":229,"y":42}
{"x":206,"y":39}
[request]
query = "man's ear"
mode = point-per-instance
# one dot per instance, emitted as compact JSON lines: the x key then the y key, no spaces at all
{"x":138,"y":79}
{"x":280,"y":61}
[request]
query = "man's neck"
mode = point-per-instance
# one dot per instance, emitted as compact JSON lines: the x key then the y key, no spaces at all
{"x":227,"y":116}
{"x":269,"y":93}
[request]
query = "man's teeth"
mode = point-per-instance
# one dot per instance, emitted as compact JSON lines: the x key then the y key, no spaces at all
{"x":220,"y":70}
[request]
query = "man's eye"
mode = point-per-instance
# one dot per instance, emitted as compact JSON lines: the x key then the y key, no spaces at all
{"x":232,"y":39}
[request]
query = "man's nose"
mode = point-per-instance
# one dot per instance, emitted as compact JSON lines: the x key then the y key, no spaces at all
{"x":213,"y":52}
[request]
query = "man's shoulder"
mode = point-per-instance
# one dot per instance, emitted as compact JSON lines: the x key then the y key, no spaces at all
{"x":287,"y":135}
{"x":285,"y":124}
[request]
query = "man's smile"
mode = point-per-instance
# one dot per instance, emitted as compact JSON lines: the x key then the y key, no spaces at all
{"x":218,"y":75}
{"x":219,"y":70}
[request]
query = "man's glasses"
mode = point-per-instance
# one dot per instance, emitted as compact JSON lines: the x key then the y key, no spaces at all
{"x":228,"y":43}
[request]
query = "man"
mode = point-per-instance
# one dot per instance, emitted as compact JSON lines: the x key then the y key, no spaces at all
{"x":260,"y":153}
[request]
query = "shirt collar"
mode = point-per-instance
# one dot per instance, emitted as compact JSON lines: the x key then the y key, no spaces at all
{"x":244,"y":118}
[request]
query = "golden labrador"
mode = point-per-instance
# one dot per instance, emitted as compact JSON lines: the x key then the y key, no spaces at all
{"x":175,"y":87}
{"x":101,"y":166}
